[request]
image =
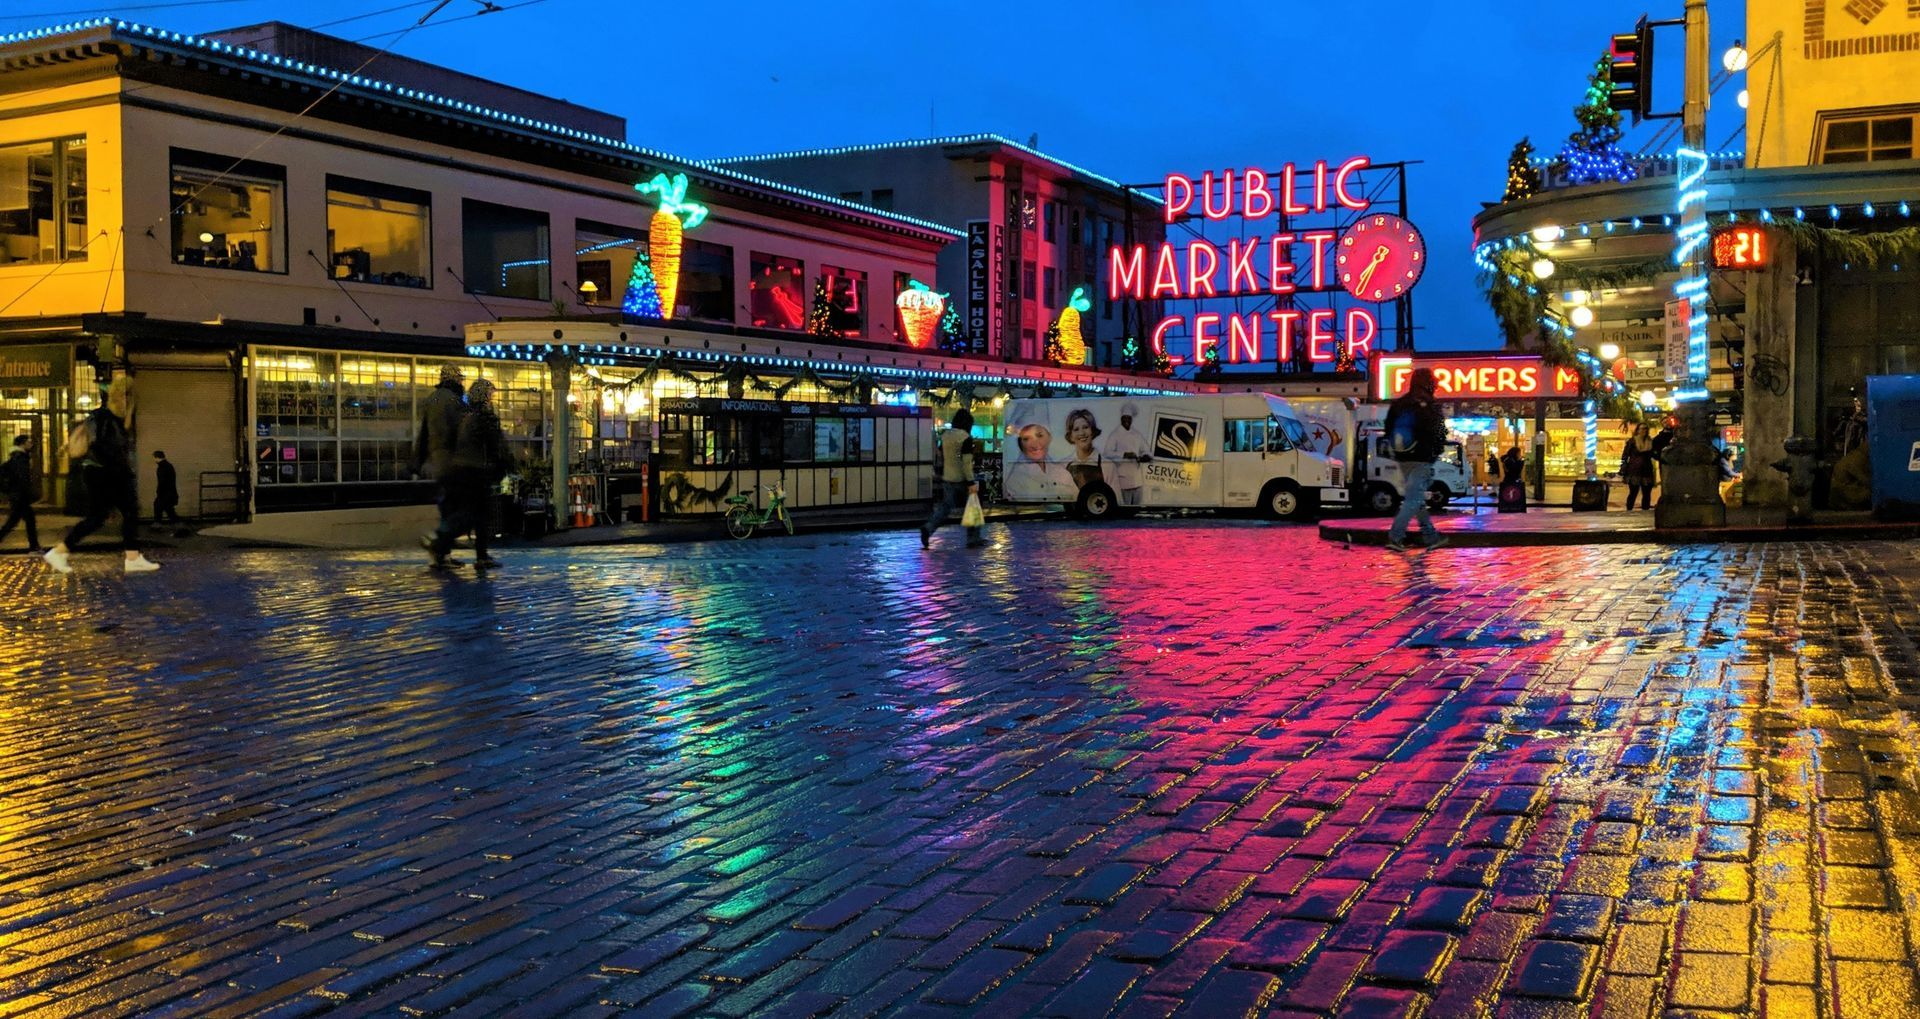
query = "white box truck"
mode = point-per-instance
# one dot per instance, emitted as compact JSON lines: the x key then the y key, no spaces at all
{"x":1354,"y":432}
{"x":1109,"y":455}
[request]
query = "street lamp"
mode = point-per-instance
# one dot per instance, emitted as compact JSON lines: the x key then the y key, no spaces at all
{"x":1542,"y":268}
{"x":1735,"y":59}
{"x":1741,"y":99}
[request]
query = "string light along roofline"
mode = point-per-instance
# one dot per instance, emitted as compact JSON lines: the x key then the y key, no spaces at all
{"x":1836,"y":213}
{"x":921,"y":143}
{"x":145,"y":34}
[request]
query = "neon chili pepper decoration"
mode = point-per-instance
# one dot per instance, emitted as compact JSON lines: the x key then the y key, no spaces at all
{"x":1073,"y":347}
{"x":665,"y":230}
{"x":920,"y":311}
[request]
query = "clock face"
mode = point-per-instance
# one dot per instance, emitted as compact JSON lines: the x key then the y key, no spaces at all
{"x":1380,"y":258}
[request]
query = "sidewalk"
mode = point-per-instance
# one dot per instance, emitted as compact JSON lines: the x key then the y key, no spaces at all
{"x":1558,"y":526}
{"x":805,"y":521}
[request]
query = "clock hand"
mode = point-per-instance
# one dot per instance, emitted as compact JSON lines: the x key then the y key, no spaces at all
{"x":1379,"y":256}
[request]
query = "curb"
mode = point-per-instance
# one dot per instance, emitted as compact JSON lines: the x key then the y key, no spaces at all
{"x":1658,"y":536}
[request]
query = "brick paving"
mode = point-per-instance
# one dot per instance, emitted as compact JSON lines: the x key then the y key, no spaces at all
{"x":1208,"y":769}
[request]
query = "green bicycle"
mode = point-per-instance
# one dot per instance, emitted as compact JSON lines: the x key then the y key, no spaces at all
{"x":743,"y":518}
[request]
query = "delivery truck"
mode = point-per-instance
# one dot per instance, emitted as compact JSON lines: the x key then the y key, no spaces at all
{"x":1354,"y":433}
{"x":1105,"y":456}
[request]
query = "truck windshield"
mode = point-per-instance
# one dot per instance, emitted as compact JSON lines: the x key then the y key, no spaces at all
{"x":1285,"y":434}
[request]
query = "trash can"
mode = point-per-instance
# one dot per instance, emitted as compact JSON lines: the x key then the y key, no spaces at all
{"x":1589,"y":497}
{"x":1893,"y":444}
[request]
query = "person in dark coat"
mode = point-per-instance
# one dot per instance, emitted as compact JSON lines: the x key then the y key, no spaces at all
{"x":480,"y":460}
{"x":166,"y":489}
{"x":1416,"y":416}
{"x":16,"y":480}
{"x":1636,"y":467}
{"x":433,"y":445}
{"x":104,"y":448}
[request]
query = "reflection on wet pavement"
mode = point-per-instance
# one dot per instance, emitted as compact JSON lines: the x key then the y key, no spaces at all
{"x":1206,"y":769}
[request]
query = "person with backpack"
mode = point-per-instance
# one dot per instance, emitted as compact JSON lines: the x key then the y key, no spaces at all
{"x":1416,"y":431}
{"x":955,"y":479}
{"x":433,"y":445}
{"x":104,"y":448}
{"x":17,"y":481}
{"x":480,"y":460}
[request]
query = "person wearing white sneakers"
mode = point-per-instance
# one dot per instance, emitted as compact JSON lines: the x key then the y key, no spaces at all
{"x":105,"y":451}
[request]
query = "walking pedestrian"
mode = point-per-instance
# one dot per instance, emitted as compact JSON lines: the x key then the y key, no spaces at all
{"x":434,"y":443}
{"x":1636,"y":467}
{"x":1416,"y":431}
{"x":16,"y":479}
{"x":104,"y":448}
{"x":480,"y":460}
{"x":166,"y":489}
{"x":955,"y":479}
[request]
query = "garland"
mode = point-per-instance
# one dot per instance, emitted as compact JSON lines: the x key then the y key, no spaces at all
{"x":1873,"y":250}
{"x":1523,"y":307}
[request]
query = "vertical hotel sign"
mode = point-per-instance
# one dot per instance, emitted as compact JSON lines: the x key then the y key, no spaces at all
{"x":979,"y":286}
{"x":40,"y":367}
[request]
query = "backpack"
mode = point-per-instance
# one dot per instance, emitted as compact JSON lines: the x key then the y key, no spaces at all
{"x":1403,"y":439}
{"x":80,"y":440}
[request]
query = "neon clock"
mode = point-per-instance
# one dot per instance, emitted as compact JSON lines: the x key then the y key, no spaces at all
{"x":1381,"y":258}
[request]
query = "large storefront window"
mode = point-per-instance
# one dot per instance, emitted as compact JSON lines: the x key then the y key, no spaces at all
{"x":377,"y":398}
{"x":603,"y":258}
{"x":777,"y":293}
{"x":506,"y":251}
{"x":378,"y":234}
{"x":43,"y":201}
{"x":227,"y":213}
{"x":846,"y":291}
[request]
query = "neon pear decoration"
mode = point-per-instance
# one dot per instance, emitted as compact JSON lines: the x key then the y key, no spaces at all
{"x":920,"y":311}
{"x":1073,"y":348}
{"x":664,"y":233}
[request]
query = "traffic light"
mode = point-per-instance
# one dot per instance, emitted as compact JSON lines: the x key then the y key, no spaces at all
{"x":1632,"y":73}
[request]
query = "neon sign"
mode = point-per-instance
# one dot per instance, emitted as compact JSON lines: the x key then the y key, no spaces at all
{"x":1478,"y":378}
{"x":1741,"y":247}
{"x":1274,"y":265}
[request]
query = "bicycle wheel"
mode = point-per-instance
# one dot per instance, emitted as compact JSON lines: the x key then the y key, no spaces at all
{"x":740,"y":521}
{"x":787,"y":518}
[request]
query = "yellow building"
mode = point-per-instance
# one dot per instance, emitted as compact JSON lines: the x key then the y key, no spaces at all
{"x":1831,"y":82}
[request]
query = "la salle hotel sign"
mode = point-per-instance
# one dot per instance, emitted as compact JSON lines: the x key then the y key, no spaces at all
{"x":1376,"y":260}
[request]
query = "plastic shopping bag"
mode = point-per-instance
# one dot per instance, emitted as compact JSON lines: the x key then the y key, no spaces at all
{"x":973,"y":515}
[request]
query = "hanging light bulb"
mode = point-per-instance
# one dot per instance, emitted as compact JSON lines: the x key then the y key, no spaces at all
{"x":1548,"y":234}
{"x":1742,"y":99}
{"x":1582,"y":317}
{"x":1542,"y":268}
{"x":1735,"y":59}
{"x":1609,"y":352}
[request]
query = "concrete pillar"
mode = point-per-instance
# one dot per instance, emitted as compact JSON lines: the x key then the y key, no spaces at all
{"x":560,"y":368}
{"x":1774,"y":373}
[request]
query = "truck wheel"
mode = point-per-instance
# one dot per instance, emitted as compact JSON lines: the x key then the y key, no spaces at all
{"x":1437,"y":498}
{"x":1283,"y":500}
{"x":1381,"y":499}
{"x":1096,"y":503}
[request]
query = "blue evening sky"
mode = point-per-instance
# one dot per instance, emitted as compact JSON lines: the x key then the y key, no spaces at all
{"x":1129,"y":89}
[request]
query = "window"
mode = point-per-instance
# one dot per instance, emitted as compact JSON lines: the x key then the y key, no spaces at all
{"x":603,"y":255}
{"x":506,"y":252}
{"x":1027,"y":272}
{"x":706,"y":281}
{"x":43,"y":201}
{"x":378,"y":234}
{"x":1050,"y":216}
{"x":1246,"y":435}
{"x":377,"y":398}
{"x":846,"y":291}
{"x":1868,"y":140}
{"x":901,"y":281}
{"x":1029,"y":209}
{"x":228,"y":214}
{"x":882,"y":199}
{"x":776,"y":295}
{"x":1051,"y":286}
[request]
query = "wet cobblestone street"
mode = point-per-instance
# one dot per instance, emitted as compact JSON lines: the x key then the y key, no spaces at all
{"x":1205,"y":769}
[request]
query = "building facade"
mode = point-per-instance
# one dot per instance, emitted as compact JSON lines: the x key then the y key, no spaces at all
{"x":1037,"y":228}
{"x":1814,"y":285}
{"x":282,"y":253}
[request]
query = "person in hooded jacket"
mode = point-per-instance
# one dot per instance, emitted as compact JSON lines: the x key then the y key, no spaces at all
{"x":433,"y":445}
{"x":1417,"y":415}
{"x":480,"y":459}
{"x":104,"y":448}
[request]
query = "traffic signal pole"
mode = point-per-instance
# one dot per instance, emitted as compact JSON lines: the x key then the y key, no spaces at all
{"x":1689,"y":484}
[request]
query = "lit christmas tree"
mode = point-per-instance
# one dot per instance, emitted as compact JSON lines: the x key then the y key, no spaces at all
{"x":1523,"y":178}
{"x":1210,"y":361}
{"x":1592,"y":154}
{"x":820,"y":316}
{"x":1055,"y":351}
{"x":643,"y":297}
{"x":952,"y":339}
{"x":1130,"y":353}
